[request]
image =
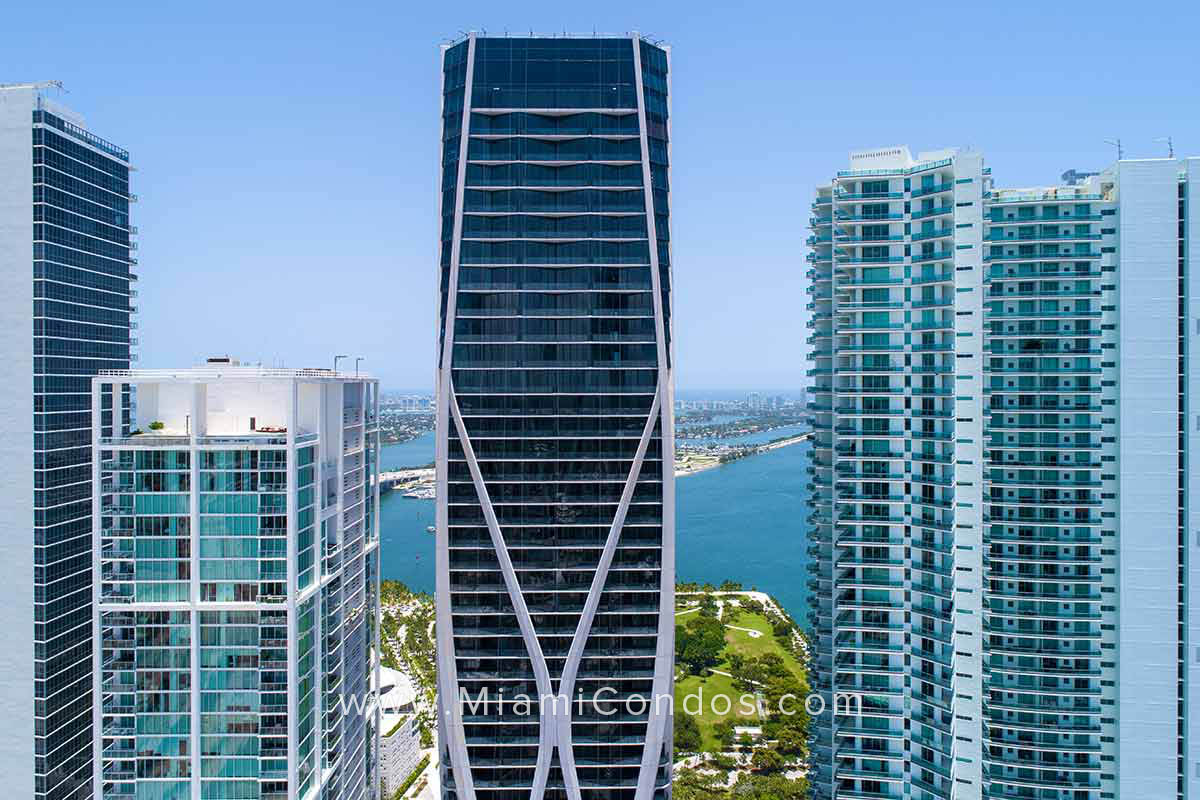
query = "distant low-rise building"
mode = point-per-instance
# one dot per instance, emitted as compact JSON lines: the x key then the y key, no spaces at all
{"x":400,"y":738}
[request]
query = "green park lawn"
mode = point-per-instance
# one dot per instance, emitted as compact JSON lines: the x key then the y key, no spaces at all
{"x":735,"y":642}
{"x":742,"y":642}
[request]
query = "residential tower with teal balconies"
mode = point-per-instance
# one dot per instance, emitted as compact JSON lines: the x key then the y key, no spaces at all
{"x":1005,"y":539}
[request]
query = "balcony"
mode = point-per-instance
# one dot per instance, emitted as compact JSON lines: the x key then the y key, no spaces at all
{"x":932,"y":256}
{"x":933,"y":212}
{"x":937,"y":233}
{"x":937,"y":277}
{"x":1045,"y":255}
{"x":848,"y":260}
{"x":998,"y":236}
{"x":937,"y":188}
{"x":845,"y":196}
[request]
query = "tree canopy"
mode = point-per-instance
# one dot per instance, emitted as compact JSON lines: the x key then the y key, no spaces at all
{"x":700,"y":643}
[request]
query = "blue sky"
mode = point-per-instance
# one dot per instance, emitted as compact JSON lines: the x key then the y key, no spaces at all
{"x":287,"y":152}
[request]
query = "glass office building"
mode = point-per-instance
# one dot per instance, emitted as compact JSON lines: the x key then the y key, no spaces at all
{"x":1003,"y":511}
{"x":237,"y":586}
{"x":555,"y":498}
{"x":65,"y":284}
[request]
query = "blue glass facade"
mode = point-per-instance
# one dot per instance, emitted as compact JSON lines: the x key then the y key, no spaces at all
{"x":555,"y":525}
{"x":81,"y":324}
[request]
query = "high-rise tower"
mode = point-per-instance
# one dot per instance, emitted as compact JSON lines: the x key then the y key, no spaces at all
{"x":237,"y":585}
{"x":897,"y":471}
{"x":555,"y":495}
{"x":65,"y":285}
{"x":1004,"y":512}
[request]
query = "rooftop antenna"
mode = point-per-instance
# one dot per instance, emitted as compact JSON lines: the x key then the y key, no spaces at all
{"x":1170,"y":146}
{"x":357,"y":361}
{"x":336,"y":359}
{"x":1117,"y":144}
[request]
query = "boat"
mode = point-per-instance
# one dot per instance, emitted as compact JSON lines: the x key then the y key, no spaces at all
{"x":430,"y":529}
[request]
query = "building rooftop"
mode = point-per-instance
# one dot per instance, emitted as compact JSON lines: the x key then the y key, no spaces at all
{"x":895,"y":160}
{"x":210,"y":372}
{"x":397,"y":698}
{"x":532,"y":34}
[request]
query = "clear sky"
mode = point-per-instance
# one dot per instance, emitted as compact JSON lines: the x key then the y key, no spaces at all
{"x":288,"y":152}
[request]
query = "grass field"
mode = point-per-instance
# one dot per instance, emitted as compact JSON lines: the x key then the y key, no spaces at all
{"x":735,"y":642}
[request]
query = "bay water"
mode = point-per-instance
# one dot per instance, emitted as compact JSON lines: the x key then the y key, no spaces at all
{"x":744,"y":521}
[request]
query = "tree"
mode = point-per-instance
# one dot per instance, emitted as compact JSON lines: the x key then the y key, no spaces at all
{"x":723,"y":730}
{"x":723,"y":762}
{"x":792,"y":741}
{"x":699,"y":644}
{"x":687,"y":734}
{"x":766,"y":759}
{"x":692,"y":784}
{"x":757,"y":786}
{"x":748,"y":675}
{"x":773,"y":665}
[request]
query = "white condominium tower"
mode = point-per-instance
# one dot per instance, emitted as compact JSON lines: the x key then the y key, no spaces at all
{"x":1005,"y":531}
{"x":236,"y":585}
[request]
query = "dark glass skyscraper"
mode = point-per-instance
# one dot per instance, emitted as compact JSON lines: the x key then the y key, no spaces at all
{"x":555,"y":509}
{"x":65,"y":287}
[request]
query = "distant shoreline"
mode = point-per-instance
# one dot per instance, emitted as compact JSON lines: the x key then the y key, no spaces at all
{"x":692,"y":465}
{"x":688,"y":469}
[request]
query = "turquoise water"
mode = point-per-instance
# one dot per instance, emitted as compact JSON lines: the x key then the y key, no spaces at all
{"x":744,"y":521}
{"x":406,"y":547}
{"x":417,"y":452}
